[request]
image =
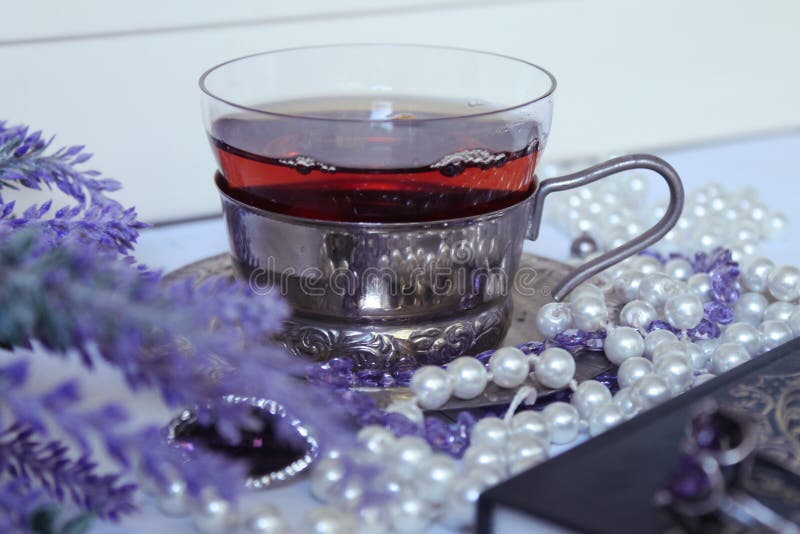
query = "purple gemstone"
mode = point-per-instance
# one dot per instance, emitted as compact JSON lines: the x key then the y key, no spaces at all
{"x":705,"y":330}
{"x":718,"y":312}
{"x":570,"y":339}
{"x":689,"y":482}
{"x":531,"y":347}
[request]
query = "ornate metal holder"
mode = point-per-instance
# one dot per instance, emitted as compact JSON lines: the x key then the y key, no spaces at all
{"x":424,"y":292}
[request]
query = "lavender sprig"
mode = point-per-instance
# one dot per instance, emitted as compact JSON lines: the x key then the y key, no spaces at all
{"x":25,"y":458}
{"x":96,"y":217}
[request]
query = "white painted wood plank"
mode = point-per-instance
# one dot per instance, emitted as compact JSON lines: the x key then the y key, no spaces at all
{"x":48,"y":19}
{"x":631,"y":75}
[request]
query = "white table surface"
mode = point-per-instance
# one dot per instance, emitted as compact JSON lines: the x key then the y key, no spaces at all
{"x":770,"y":163}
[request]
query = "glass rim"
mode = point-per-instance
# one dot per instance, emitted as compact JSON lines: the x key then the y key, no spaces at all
{"x":204,"y":88}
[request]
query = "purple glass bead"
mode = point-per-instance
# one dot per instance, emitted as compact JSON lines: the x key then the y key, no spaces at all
{"x":705,"y":330}
{"x":718,"y":312}
{"x":723,"y":284}
{"x":570,"y":339}
{"x":531,"y":347}
{"x":689,"y":482}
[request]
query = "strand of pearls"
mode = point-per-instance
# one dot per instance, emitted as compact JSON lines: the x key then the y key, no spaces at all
{"x":683,"y":322}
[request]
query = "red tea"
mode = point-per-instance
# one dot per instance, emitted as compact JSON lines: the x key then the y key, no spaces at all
{"x":332,"y":163}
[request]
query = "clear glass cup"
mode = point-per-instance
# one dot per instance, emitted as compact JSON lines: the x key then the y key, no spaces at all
{"x":378,"y":133}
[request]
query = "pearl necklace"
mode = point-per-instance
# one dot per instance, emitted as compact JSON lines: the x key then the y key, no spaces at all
{"x":684,"y":320}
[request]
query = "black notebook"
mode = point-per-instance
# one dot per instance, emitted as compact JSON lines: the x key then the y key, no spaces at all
{"x":607,"y":484}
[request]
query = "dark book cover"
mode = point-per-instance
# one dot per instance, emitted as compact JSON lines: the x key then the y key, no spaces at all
{"x":608,"y":483}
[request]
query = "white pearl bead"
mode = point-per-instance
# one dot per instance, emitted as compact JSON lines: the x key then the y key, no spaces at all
{"x":626,"y":285}
{"x":622,"y":398}
{"x":327,"y":475}
{"x":267,"y":519}
{"x":214,"y":515}
{"x":525,"y":452}
{"x":431,"y":386}
{"x":376,"y":439}
{"x":683,"y":311}
{"x":409,"y":452}
{"x":678,"y":268}
{"x":654,"y":339}
{"x":554,"y":368}
{"x":656,"y":288}
{"x":622,"y":343}
{"x":491,"y":431}
{"x":775,"y":225}
{"x":585,"y":290}
{"x":669,"y":347}
{"x":482,"y":455}
{"x":373,"y":518}
{"x":702,"y":379}
{"x":744,"y":334}
{"x":647,"y":264}
{"x":604,"y":417}
{"x":486,"y":475}
{"x":588,"y":395}
{"x":460,"y":507}
{"x":676,"y":370}
{"x":329,"y":520}
{"x":563,"y":420}
{"x":408,"y":409}
{"x":727,"y":356}
{"x":469,"y":377}
{"x":649,"y":391}
{"x":409,"y":513}
{"x":350,"y":494}
{"x":637,"y":314}
{"x":783,"y":282}
{"x":509,"y":367}
{"x":750,"y":308}
{"x":553,"y":318}
{"x":435,"y":477}
{"x":779,"y":311}
{"x":589,"y":313}
{"x":774,"y":333}
{"x":532,"y":424}
{"x":172,"y":499}
{"x":700,"y":285}
{"x":708,"y":346}
{"x":794,"y":322}
{"x":754,"y":276}
{"x":632,"y":370}
{"x":699,"y":358}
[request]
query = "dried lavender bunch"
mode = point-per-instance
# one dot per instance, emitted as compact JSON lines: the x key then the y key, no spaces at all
{"x":67,"y":287}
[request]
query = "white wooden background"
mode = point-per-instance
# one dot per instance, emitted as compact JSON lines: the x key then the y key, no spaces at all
{"x":121,"y":76}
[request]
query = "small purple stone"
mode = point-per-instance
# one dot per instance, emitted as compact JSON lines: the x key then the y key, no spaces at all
{"x":705,"y":330}
{"x":531,"y":347}
{"x":718,"y":312}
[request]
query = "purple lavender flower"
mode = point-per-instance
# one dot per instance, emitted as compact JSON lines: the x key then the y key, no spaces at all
{"x":96,"y":217}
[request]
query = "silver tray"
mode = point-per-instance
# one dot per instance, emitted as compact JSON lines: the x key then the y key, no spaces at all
{"x":523,"y":328}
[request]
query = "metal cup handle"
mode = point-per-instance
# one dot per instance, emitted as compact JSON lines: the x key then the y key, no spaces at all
{"x":638,"y":243}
